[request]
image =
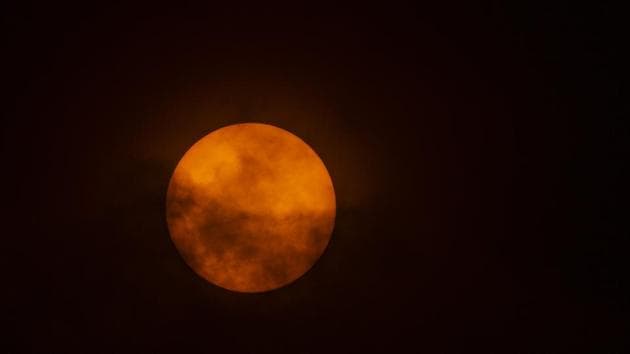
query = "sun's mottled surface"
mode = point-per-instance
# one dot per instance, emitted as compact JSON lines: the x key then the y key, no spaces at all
{"x":250,"y":207}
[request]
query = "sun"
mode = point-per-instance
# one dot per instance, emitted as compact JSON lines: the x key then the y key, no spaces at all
{"x":250,"y":207}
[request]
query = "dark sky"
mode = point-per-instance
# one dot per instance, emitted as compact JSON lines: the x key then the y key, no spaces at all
{"x":477,"y":153}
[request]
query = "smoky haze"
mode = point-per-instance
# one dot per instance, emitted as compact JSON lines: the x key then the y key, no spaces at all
{"x":476,"y":152}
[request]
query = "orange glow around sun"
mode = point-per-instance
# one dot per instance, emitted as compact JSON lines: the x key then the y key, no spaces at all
{"x":250,"y":207}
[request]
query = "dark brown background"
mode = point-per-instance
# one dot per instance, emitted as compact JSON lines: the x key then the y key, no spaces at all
{"x":476,"y":150}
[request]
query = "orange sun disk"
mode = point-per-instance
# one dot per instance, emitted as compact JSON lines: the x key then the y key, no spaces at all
{"x":250,"y":207}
